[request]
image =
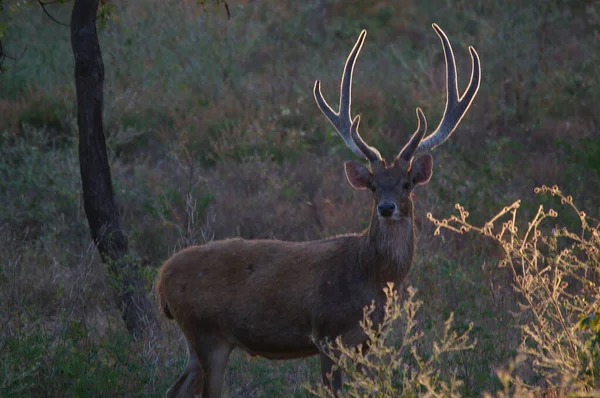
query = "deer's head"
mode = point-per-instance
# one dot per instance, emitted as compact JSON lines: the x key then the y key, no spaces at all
{"x":392,"y":182}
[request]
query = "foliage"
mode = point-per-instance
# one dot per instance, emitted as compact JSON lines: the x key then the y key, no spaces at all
{"x":66,"y":362}
{"x":31,"y":171}
{"x":555,"y":272}
{"x":392,"y":361}
{"x":60,"y":351}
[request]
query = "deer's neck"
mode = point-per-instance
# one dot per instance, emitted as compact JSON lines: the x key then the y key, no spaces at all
{"x":387,"y":248}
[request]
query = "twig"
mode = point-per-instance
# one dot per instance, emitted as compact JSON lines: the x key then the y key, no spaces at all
{"x":227,"y":9}
{"x":2,"y":57}
{"x":43,"y":5}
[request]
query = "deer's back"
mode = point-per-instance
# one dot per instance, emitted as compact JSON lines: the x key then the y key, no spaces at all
{"x":257,"y":290}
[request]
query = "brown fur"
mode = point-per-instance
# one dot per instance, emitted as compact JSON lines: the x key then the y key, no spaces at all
{"x":161,"y":300}
{"x":279,"y":287}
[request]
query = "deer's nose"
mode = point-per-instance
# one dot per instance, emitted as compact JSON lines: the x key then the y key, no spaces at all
{"x":386,"y":209}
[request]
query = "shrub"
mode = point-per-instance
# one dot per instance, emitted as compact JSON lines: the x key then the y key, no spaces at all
{"x":395,"y":364}
{"x":555,"y":273}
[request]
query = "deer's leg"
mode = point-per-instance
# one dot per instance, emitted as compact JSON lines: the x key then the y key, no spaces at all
{"x":335,"y":381}
{"x":190,"y":381}
{"x":213,"y":352}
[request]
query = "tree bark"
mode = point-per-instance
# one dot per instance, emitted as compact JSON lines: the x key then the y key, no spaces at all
{"x":98,"y":197}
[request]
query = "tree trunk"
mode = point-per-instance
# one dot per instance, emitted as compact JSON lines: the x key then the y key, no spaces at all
{"x":98,"y":198}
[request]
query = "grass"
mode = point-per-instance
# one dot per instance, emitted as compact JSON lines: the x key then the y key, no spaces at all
{"x":213,"y":132}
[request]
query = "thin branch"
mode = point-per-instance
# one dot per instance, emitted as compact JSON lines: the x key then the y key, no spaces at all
{"x":227,"y":9}
{"x":43,"y":5}
{"x":2,"y":57}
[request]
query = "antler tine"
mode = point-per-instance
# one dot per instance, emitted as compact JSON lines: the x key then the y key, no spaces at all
{"x":362,"y":146}
{"x":345,"y":126}
{"x":455,"y":107}
{"x":408,"y":150}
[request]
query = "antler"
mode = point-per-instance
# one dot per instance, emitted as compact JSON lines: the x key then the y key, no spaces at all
{"x":456,"y":107}
{"x":341,"y":120}
{"x":407,"y":152}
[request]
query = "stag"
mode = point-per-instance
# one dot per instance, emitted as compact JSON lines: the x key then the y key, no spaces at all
{"x":281,"y":300}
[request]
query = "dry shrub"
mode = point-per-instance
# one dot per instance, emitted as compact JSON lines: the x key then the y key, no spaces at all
{"x":555,"y":272}
{"x":392,"y":361}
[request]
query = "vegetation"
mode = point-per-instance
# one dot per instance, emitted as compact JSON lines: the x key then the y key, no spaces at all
{"x":212,"y":132}
{"x":554,"y":273}
{"x":396,"y":364}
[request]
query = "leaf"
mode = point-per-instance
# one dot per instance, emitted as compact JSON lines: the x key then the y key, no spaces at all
{"x":591,"y":322}
{"x":595,"y":324}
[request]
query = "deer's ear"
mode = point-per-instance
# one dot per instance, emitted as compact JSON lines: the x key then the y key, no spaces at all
{"x":421,"y":169}
{"x":358,"y":175}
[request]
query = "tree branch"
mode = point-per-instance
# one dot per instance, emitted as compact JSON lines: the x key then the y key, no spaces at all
{"x":43,"y":5}
{"x":2,"y":57}
{"x":227,"y":9}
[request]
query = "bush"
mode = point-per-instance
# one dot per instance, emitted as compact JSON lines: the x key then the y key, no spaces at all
{"x":555,"y":273}
{"x":395,"y":364}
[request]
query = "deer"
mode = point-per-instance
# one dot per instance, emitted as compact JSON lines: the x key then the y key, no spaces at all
{"x":280,"y":300}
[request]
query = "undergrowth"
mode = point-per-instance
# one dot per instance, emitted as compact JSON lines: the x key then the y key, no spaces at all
{"x":393,"y":361}
{"x":555,"y":273}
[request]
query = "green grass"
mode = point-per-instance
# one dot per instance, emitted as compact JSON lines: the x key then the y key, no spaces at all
{"x":222,"y":112}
